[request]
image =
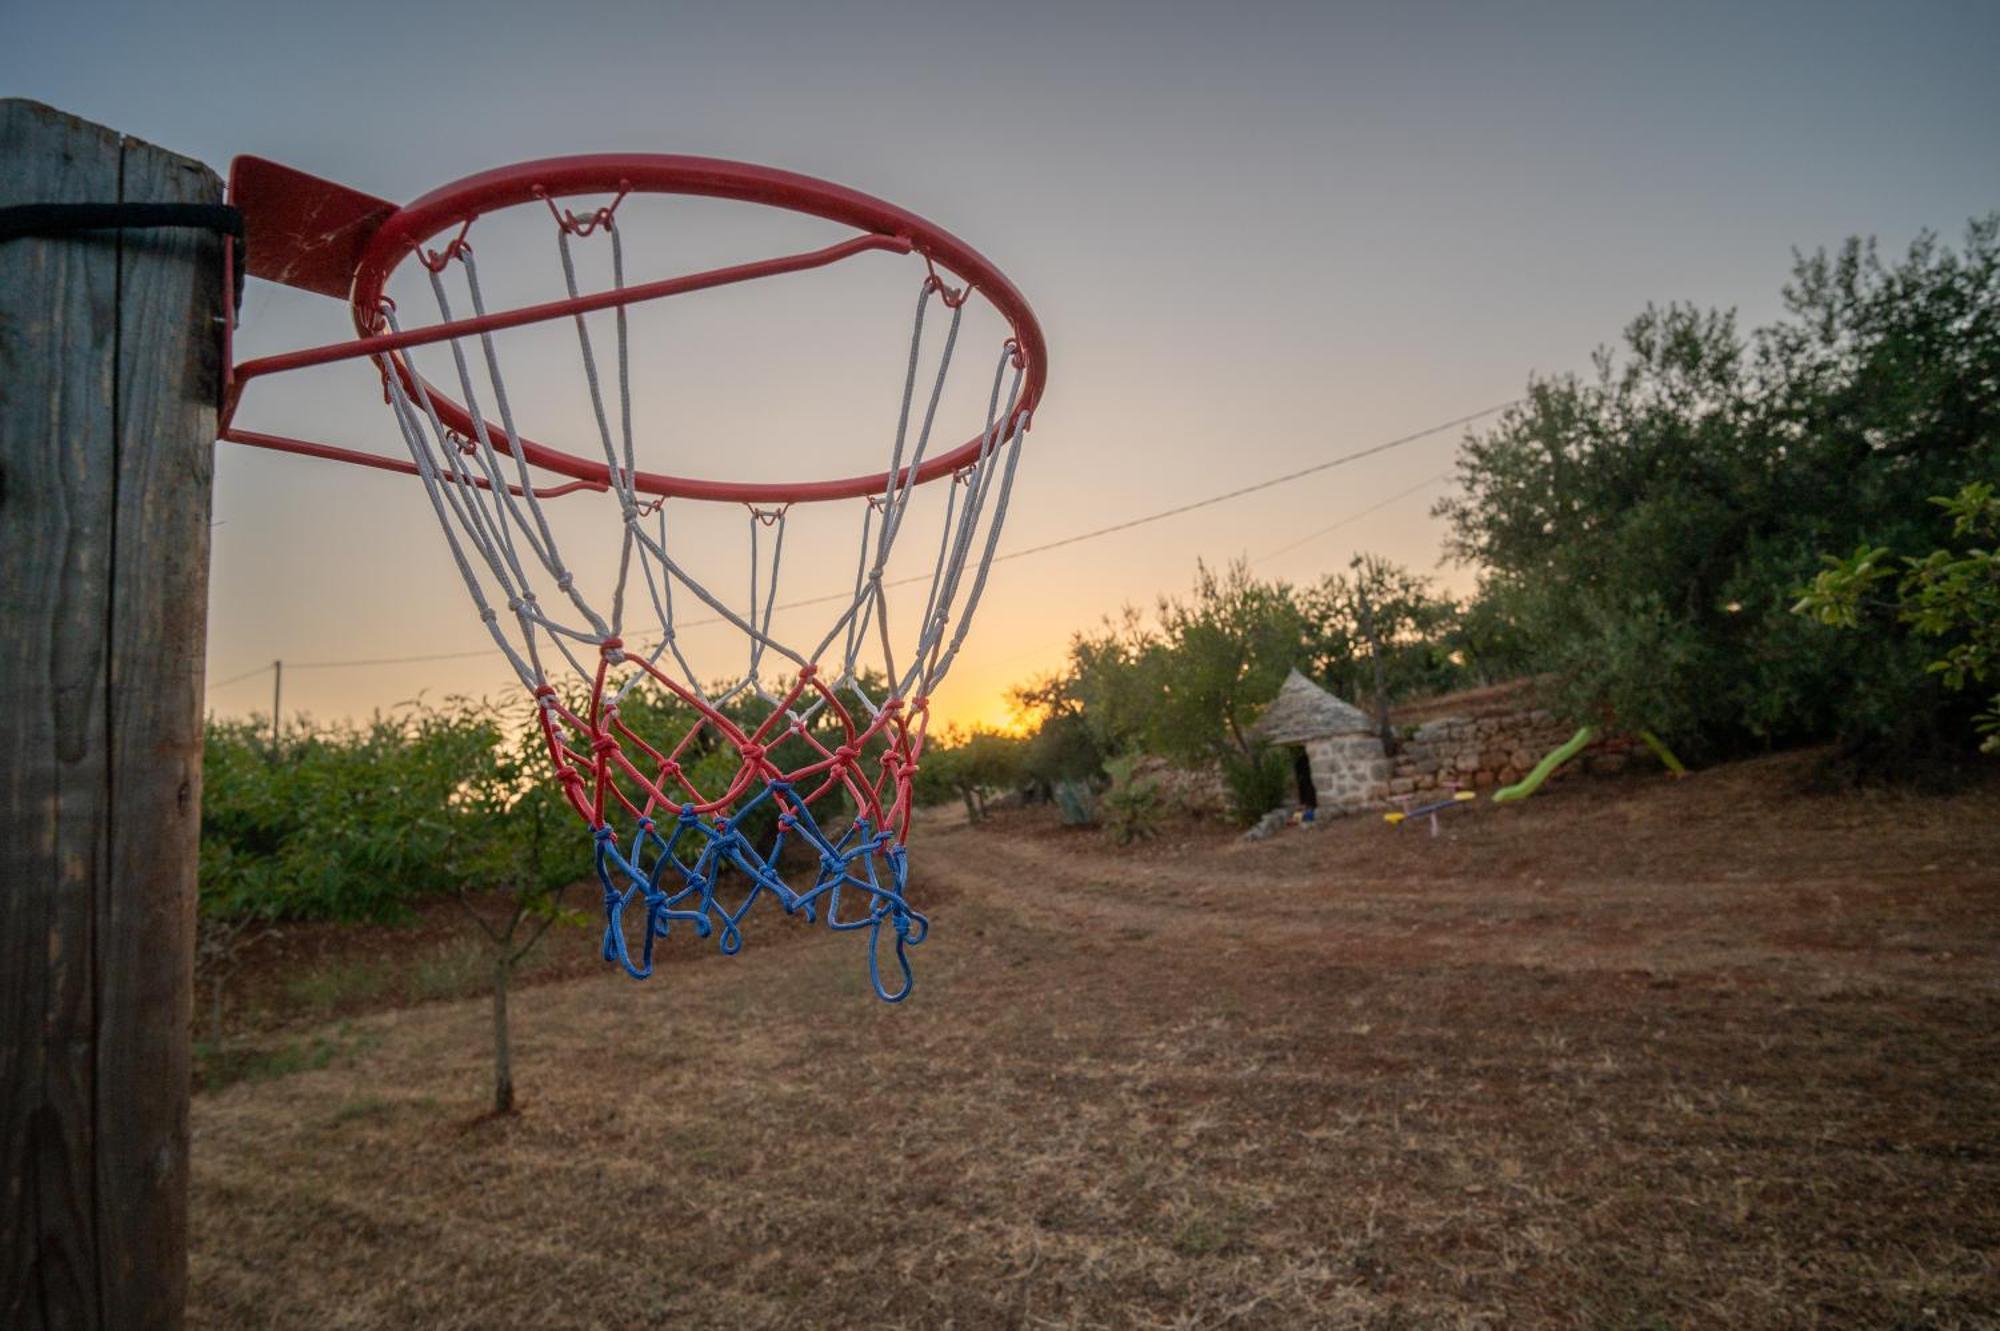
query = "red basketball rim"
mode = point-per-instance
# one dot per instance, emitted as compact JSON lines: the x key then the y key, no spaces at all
{"x":457,"y":204}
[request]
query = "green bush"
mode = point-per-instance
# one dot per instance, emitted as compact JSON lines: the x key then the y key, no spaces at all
{"x":1947,"y":597}
{"x":1132,"y":807}
{"x":1650,"y":524}
{"x":1258,"y":781}
{"x":344,"y":822}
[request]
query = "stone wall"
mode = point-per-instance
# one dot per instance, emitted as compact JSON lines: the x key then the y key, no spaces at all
{"x":1471,"y":741}
{"x":1196,"y":790}
{"x":1475,"y":753}
{"x":1349,"y":771}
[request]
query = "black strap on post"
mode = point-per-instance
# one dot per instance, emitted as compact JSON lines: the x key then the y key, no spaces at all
{"x":64,"y":219}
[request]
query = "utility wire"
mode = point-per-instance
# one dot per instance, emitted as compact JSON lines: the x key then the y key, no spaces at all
{"x":1238,"y":493}
{"x":1127,"y":525}
{"x":248,"y":674}
{"x":1353,"y":518}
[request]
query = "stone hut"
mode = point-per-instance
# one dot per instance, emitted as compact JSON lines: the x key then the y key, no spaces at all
{"x":1340,"y":755}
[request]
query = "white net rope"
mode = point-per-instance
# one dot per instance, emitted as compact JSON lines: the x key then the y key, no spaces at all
{"x":805,"y":756}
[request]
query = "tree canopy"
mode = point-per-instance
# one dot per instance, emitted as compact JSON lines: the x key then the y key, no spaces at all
{"x":1649,"y":526}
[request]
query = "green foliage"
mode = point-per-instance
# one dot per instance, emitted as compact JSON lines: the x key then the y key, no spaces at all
{"x":1417,"y":628}
{"x":969,"y":766}
{"x":1258,"y":781}
{"x":1063,"y":746}
{"x":1948,"y":595}
{"x":360,"y":822}
{"x":1647,"y":527}
{"x":347,"y":822}
{"x":1486,"y":640}
{"x":1132,"y":807}
{"x":1219,"y":658}
{"x":1189,"y":686}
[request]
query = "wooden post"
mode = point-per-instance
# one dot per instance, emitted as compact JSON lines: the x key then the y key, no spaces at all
{"x":109,"y":370}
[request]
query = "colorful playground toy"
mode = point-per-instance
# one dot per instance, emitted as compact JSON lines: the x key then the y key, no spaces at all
{"x":1574,"y":745}
{"x":1430,"y":810}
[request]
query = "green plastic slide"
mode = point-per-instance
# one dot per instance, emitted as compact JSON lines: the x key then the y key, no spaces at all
{"x":1663,"y":753}
{"x":1532,"y":782}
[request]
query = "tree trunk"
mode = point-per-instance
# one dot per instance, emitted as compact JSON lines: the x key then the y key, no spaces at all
{"x":971,"y":809}
{"x":503,"y":1056}
{"x":1385,"y":730}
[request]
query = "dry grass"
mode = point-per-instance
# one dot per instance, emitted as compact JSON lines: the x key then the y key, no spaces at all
{"x":1629,"y":1055}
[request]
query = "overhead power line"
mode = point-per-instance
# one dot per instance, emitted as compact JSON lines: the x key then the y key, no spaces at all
{"x":1355,"y":517}
{"x":1240,"y":491}
{"x":238,"y":679}
{"x":1095,"y":533}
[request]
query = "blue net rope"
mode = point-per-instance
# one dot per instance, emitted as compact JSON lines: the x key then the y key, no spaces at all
{"x":675,"y":876}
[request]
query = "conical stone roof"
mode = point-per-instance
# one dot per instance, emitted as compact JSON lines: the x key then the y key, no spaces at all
{"x":1304,"y":711}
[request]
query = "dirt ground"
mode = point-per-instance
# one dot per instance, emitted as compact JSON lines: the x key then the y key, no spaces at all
{"x":1636,"y":1053}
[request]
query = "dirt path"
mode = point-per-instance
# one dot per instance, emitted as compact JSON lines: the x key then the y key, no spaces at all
{"x":1634,"y":1055}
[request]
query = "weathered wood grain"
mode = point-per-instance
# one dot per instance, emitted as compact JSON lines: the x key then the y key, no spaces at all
{"x":108,"y":368}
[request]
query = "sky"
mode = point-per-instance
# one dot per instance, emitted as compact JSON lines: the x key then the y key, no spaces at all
{"x":1257,"y":236}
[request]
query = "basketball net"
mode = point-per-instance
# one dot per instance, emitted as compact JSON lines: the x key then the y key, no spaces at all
{"x":806,"y":756}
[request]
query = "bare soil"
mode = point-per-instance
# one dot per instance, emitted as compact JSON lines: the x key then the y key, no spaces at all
{"x":1635,"y":1053}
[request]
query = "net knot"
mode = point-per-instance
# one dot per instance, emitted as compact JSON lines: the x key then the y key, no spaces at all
{"x":603,"y":745}
{"x":952,"y":296}
{"x":808,"y":673}
{"x":489,"y":615}
{"x":600,"y":218}
{"x":845,"y":755}
{"x":752,"y":751}
{"x":435,"y":260}
{"x":566,"y":580}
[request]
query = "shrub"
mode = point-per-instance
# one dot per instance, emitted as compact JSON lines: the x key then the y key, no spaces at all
{"x":1258,"y":781}
{"x":1133,"y":807}
{"x":1651,"y":523}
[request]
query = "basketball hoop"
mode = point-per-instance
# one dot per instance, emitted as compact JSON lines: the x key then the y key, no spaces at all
{"x":795,"y":775}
